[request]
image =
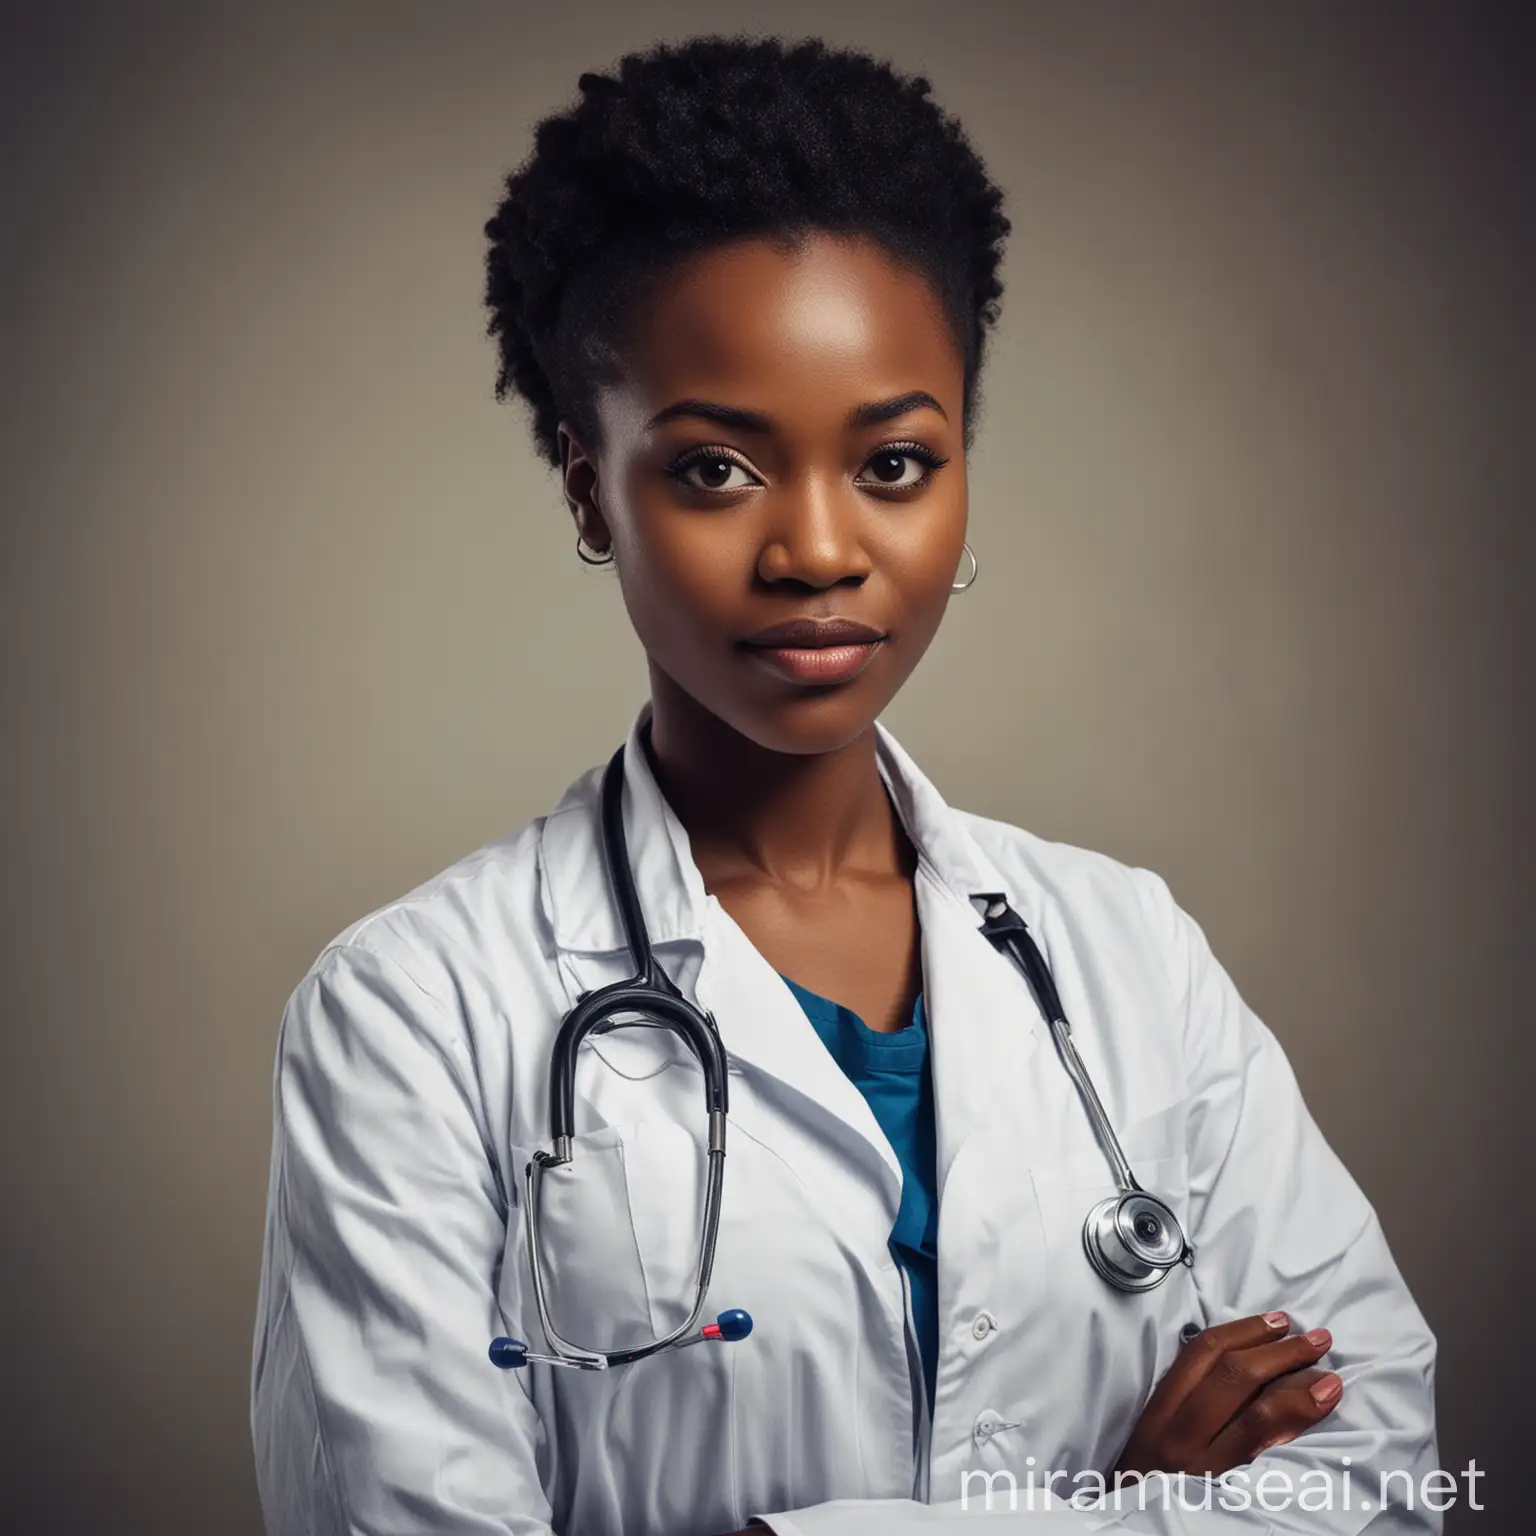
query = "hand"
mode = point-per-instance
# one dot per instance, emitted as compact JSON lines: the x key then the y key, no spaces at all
{"x":1236,"y":1390}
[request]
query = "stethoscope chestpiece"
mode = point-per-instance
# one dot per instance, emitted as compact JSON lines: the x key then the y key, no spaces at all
{"x":1133,"y":1240}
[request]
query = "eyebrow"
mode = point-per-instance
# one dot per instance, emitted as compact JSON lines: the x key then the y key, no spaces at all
{"x":866,"y":415}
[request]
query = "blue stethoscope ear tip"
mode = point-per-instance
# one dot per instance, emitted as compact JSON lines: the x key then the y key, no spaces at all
{"x":734,"y":1324}
{"x":512,"y":1354}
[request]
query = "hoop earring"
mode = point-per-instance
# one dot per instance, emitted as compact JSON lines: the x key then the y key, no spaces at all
{"x":960,"y":586}
{"x":605,"y":558}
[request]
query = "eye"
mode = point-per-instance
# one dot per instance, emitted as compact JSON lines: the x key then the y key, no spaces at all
{"x":893,"y":466}
{"x":713,"y":468}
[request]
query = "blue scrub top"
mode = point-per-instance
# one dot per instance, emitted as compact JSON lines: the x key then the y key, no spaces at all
{"x":892,"y":1071}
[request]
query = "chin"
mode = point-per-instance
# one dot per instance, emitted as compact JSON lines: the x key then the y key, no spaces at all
{"x":808,"y":722}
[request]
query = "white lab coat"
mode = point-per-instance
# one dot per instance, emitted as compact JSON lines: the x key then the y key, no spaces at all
{"x":411,"y":1089}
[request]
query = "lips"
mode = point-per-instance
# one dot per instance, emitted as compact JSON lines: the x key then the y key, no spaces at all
{"x":816,"y":650}
{"x":812,"y":634}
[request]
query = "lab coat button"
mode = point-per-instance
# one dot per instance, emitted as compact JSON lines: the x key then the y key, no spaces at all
{"x":1188,"y":1332}
{"x":987,"y":1425}
{"x":983,"y":1325}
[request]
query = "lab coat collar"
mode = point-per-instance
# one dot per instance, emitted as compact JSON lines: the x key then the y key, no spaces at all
{"x":578,"y":900}
{"x":579,"y":904}
{"x":983,"y":1024}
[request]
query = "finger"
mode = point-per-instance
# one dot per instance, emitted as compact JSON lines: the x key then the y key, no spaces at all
{"x":1236,"y":1379}
{"x":1304,"y":1377}
{"x":1200,"y":1356}
{"x":1283,"y":1410}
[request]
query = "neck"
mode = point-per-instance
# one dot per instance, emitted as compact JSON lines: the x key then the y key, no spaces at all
{"x":754,"y":815}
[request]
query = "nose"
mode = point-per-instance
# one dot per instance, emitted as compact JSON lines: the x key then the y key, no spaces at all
{"x":814,"y":537}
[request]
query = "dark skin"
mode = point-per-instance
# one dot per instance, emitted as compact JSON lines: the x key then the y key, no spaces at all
{"x":811,"y":512}
{"x":775,"y":782}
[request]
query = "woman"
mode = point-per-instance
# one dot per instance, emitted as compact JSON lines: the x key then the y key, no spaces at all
{"x":744,"y":289}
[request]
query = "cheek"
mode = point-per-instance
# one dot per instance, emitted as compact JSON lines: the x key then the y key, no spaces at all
{"x":921,"y":571}
{"x":681,"y":585}
{"x":927,"y":614}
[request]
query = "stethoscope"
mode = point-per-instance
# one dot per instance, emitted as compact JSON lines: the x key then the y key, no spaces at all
{"x":1132,"y":1239}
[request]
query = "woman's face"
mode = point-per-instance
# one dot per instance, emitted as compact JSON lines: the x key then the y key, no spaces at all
{"x":787,"y":444}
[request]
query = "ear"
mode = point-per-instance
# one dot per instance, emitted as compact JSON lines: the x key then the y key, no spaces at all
{"x":583,"y":498}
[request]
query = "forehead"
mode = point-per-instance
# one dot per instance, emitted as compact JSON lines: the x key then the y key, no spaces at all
{"x":833,"y":316}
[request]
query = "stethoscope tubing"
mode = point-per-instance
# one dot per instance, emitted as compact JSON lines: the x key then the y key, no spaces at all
{"x":651,"y":993}
{"x":1126,"y":1259}
{"x":1007,"y":930}
{"x":577,"y":1354}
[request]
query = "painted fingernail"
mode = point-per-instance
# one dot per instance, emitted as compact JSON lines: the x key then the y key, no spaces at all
{"x":1327,"y":1389}
{"x":1319,"y":1337}
{"x":1276,"y":1319}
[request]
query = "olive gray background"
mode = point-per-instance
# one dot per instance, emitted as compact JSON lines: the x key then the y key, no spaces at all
{"x":293,"y":617}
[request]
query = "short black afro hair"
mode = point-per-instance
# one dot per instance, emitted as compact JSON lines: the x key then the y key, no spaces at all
{"x":695,"y":143}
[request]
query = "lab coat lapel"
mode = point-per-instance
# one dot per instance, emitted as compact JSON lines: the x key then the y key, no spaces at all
{"x":575,"y":893}
{"x":775,"y":1050}
{"x":984,"y":1026}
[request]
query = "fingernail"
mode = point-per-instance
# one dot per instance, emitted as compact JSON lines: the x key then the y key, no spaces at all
{"x":1319,"y":1337}
{"x":1276,"y":1319}
{"x":1327,"y":1389}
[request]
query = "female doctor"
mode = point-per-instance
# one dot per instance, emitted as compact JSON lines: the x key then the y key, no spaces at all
{"x":744,"y":289}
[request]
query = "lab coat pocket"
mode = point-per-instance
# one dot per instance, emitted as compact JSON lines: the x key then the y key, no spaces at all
{"x":1066,"y":1191}
{"x":594,"y":1281}
{"x":1068,"y":1187}
{"x":668,"y":1181}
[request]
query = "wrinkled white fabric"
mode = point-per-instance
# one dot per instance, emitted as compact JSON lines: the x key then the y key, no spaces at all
{"x":411,"y":1088}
